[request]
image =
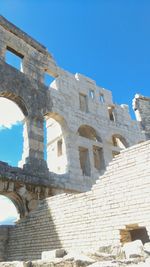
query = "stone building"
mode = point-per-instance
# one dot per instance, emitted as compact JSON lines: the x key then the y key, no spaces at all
{"x":85,"y":131}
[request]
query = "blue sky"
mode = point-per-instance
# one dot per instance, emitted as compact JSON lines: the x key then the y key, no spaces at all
{"x":107,"y":40}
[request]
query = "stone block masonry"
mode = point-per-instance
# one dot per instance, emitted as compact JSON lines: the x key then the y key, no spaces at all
{"x":119,"y":201}
{"x":141,"y":106}
{"x":4,"y":232}
{"x":85,"y":129}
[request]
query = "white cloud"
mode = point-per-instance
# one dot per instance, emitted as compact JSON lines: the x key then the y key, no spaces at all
{"x":8,"y":212}
{"x":10,"y":113}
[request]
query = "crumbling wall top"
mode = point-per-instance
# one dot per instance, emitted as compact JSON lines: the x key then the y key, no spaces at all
{"x":21,"y":34}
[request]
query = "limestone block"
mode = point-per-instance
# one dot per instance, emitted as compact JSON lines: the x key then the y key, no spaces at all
{"x":147,"y":247}
{"x":57,"y":253}
{"x":133,"y":249}
{"x":78,"y":256}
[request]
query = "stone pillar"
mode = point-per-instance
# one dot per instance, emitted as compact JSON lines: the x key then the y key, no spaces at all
{"x":33,"y":152}
{"x":32,"y":70}
{"x":73,"y":155}
{"x":2,"y":50}
{"x":3,"y":242}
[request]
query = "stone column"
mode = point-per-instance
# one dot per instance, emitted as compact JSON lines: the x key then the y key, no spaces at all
{"x":31,"y":68}
{"x":3,"y":242}
{"x":2,"y":50}
{"x":33,"y":151}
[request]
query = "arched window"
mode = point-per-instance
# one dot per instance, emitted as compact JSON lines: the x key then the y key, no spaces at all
{"x":8,"y":212}
{"x":56,"y":146}
{"x":89,"y":132}
{"x":11,"y":128}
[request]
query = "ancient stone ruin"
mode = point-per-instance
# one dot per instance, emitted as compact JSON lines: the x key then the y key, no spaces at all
{"x":94,"y":189}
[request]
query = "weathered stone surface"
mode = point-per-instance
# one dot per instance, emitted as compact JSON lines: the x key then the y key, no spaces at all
{"x":63,"y":103}
{"x":92,"y":219}
{"x":85,"y":130}
{"x":147,"y":247}
{"x":133,"y":249}
{"x":78,"y":257}
{"x":57,"y":253}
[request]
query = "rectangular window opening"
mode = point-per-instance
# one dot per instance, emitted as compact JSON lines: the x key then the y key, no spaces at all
{"x":83,"y":102}
{"x":111,"y":113}
{"x":84,"y":161}
{"x":101,"y":98}
{"x":48,"y":79}
{"x":98,"y":158}
{"x":59,"y":148}
{"x":91,"y":94}
{"x":14,"y":58}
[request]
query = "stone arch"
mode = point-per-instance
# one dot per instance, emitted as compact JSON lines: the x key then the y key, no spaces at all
{"x":59,"y":118}
{"x":20,"y":104}
{"x":119,"y":141}
{"x":89,"y":132}
{"x":17,"y":100}
{"x":57,"y":131}
{"x":17,"y":200}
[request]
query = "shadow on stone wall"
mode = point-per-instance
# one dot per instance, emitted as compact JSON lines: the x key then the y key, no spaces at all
{"x":32,"y":235}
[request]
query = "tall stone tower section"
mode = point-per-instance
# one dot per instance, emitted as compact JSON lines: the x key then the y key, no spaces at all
{"x":141,"y":106}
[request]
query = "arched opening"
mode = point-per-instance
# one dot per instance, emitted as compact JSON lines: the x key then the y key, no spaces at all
{"x":56,"y":143}
{"x":89,"y":132}
{"x":8,"y":211}
{"x":119,"y":141}
{"x":12,"y":114}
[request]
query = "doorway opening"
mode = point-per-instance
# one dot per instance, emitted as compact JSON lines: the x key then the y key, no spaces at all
{"x":11,"y":131}
{"x":8,"y":212}
{"x":134,"y":232}
{"x":56,"y":146}
{"x":84,"y":161}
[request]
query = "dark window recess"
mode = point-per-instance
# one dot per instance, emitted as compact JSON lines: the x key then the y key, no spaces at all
{"x":98,"y":158}
{"x":83,"y":102}
{"x":140,"y":233}
{"x":134,"y":233}
{"x":84,"y":161}
{"x":59,"y":148}
{"x":111,"y":113}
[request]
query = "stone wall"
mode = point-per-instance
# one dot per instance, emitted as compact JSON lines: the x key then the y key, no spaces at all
{"x":4,"y":232}
{"x":141,"y":105}
{"x":118,"y":201}
{"x":77,"y":103}
{"x":74,"y":102}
